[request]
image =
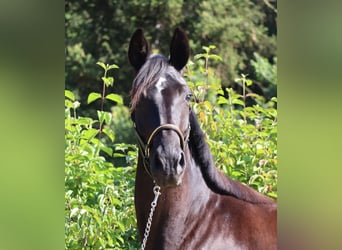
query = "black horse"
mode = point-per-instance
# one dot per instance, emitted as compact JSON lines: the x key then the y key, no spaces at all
{"x":199,"y":207}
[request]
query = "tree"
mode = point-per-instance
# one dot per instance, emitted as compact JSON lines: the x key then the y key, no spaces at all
{"x":100,"y":31}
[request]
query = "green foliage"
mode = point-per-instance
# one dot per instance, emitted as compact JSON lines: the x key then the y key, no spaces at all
{"x":266,"y":73}
{"x":242,"y":139}
{"x":235,"y":27}
{"x":264,"y":69}
{"x":99,"y":210}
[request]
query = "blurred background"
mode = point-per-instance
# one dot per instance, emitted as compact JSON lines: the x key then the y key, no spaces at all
{"x":244,"y":33}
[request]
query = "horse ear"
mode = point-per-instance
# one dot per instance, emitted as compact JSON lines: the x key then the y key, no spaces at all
{"x":138,"y":49}
{"x":179,"y":49}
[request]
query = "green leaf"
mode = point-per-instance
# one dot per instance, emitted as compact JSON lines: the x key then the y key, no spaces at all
{"x":272,"y":194}
{"x":118,"y":155}
{"x":101,"y":115}
{"x":215,"y":57}
{"x":109,"y":133}
{"x":220,"y":92}
{"x":90,"y":133}
{"x":121,"y":226}
{"x":222,"y":100}
{"x":249,"y":82}
{"x":85,"y":121}
{"x":93,"y":97}
{"x":206,"y":49}
{"x":69,"y":95}
{"x":113,"y":66}
{"x":115,"y":98}
{"x":274,"y":99}
{"x":108,"y":81}
{"x":104,"y":116}
{"x":68,"y":104}
{"x":198,"y":56}
{"x":97,"y":219}
{"x":102,"y":65}
{"x":238,"y":102}
{"x":110,"y":240}
{"x":108,"y":117}
{"x":107,"y":150}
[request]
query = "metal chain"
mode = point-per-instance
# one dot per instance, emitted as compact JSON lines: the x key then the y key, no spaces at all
{"x":156,"y":190}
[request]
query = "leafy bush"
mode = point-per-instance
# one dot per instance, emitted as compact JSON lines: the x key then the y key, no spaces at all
{"x":99,"y":208}
{"x":242,"y":139}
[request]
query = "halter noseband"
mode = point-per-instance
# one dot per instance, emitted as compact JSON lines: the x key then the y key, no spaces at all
{"x":145,"y":148}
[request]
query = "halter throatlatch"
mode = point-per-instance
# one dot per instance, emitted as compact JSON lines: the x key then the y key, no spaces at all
{"x":145,"y":148}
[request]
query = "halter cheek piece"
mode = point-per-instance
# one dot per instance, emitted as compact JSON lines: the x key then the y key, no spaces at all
{"x":145,"y":148}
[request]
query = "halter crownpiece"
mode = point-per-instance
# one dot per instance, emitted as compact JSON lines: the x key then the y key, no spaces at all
{"x":145,"y":148}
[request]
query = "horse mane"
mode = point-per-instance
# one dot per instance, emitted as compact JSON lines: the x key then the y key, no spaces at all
{"x":215,"y":180}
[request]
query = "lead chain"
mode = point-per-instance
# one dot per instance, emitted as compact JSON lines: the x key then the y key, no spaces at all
{"x":156,"y":190}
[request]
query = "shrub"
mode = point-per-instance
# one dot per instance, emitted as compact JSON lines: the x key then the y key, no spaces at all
{"x":242,"y":139}
{"x":99,"y":210}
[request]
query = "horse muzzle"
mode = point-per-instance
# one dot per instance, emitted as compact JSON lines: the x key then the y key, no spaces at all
{"x":167,"y":165}
{"x":163,"y":154}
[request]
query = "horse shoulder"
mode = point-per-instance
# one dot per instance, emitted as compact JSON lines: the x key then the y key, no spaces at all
{"x":231,"y":223}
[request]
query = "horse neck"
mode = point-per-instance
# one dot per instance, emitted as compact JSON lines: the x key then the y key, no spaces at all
{"x":174,"y":205}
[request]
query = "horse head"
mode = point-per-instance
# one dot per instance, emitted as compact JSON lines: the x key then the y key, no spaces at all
{"x":160,"y":107}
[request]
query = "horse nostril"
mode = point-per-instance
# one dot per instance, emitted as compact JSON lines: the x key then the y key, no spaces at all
{"x":158,"y":161}
{"x":181,"y":161}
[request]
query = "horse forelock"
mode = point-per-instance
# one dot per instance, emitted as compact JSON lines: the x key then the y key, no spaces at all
{"x":155,"y":67}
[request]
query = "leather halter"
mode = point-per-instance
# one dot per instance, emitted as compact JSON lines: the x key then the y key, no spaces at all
{"x":145,"y":148}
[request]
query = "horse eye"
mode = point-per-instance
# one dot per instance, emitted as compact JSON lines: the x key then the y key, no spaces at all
{"x":188,"y":97}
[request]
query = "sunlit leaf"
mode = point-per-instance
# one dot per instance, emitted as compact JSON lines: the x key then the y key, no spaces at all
{"x":238,"y":102}
{"x":113,"y":66}
{"x":69,"y":95}
{"x":215,"y":57}
{"x":222,"y":100}
{"x":121,"y":226}
{"x":107,"y":117}
{"x":101,"y":115}
{"x":115,"y":98}
{"x":220,"y":92}
{"x":107,"y":150}
{"x":108,"y":81}
{"x":102,"y":65}
{"x":109,"y":132}
{"x":68,"y":104}
{"x":198,"y":56}
{"x":89,"y":133}
{"x":93,"y":97}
